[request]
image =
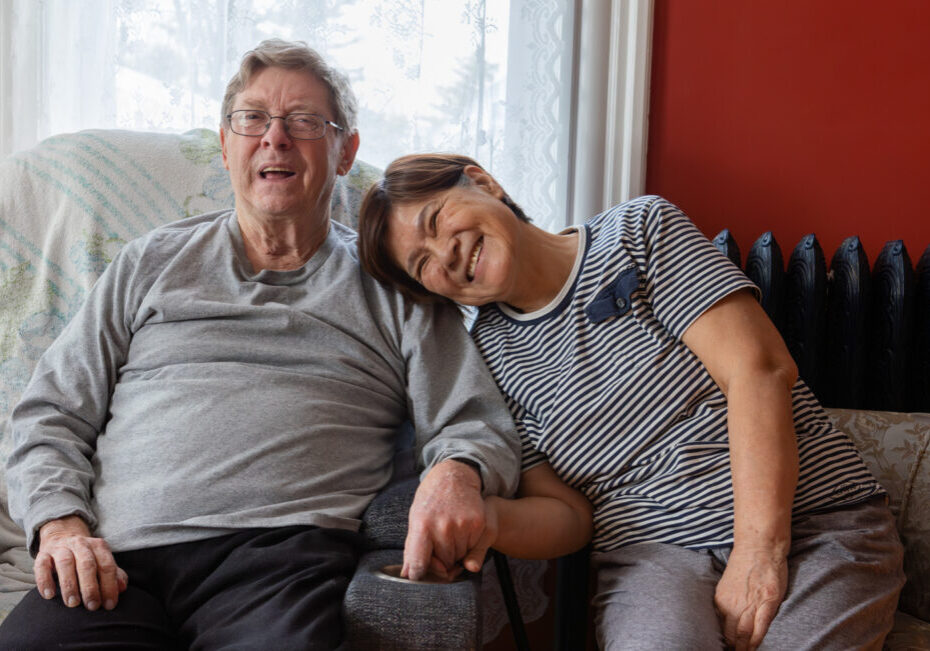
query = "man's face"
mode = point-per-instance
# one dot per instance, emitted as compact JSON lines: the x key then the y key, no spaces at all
{"x":276,"y":177}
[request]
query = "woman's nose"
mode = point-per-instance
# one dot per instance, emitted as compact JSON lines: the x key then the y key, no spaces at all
{"x":448,"y":253}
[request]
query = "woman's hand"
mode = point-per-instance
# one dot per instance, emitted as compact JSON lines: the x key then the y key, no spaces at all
{"x":748,"y":595}
{"x":475,"y":557}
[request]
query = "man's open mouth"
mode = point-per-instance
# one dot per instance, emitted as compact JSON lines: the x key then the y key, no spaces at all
{"x":473,"y":261}
{"x":276,"y":173}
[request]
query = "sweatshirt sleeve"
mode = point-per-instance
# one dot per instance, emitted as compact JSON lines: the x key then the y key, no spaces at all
{"x":55,"y":425}
{"x":455,"y":406}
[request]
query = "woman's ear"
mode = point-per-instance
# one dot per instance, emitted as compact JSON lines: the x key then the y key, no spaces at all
{"x":483,"y":180}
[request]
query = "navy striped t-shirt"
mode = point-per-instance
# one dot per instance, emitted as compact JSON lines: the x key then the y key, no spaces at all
{"x":602,"y":387}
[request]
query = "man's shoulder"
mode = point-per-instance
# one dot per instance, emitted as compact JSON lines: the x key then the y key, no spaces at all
{"x":347,"y":236}
{"x":182,"y":230}
{"x":152,"y":250}
{"x":190,"y":225}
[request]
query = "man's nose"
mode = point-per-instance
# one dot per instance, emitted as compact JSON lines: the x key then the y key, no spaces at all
{"x":277,"y":137}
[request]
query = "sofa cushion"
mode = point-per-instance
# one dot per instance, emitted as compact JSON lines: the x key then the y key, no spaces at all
{"x":896,"y":448}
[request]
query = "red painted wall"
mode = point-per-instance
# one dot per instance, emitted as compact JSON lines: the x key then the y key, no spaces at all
{"x":794,"y":116}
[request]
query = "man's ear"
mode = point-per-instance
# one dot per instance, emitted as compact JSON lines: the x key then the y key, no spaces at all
{"x":223,"y":145}
{"x":349,"y":149}
{"x":483,"y":180}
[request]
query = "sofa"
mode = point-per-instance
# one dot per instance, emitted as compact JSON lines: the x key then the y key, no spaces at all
{"x":68,"y":204}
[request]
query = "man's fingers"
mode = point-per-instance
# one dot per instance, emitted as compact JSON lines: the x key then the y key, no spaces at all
{"x":439,"y":569}
{"x":86,"y":563}
{"x":418,"y":550}
{"x":45,"y":582}
{"x":67,"y":576}
{"x":445,"y":543}
{"x":122,"y":579}
{"x":106,"y":574}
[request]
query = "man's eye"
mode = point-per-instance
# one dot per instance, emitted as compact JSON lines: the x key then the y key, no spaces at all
{"x":250,"y":117}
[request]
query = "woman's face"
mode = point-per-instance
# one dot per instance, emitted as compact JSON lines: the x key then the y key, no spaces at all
{"x":461,"y":243}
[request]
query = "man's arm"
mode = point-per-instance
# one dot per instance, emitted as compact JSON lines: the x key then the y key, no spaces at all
{"x":466,"y":437}
{"x":54,"y":430}
{"x":748,"y":360}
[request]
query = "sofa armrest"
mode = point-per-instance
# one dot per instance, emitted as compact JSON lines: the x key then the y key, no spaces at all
{"x":896,"y":448}
{"x":382,"y":611}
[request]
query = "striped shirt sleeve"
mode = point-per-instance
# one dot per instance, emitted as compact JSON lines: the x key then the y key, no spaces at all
{"x":685,"y":274}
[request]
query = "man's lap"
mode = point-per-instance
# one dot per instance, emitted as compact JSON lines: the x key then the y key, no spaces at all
{"x":272,"y":588}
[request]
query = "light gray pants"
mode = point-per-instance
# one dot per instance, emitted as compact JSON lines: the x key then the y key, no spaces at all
{"x":844,"y":576}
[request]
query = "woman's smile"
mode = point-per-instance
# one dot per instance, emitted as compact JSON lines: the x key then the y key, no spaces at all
{"x":473,"y":260}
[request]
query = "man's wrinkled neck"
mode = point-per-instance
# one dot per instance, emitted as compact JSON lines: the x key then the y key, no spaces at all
{"x":282,"y":243}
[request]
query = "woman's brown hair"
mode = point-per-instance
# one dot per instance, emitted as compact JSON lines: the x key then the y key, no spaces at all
{"x":411,"y":178}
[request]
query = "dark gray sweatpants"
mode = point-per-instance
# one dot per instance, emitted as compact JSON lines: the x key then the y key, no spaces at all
{"x":844,"y":576}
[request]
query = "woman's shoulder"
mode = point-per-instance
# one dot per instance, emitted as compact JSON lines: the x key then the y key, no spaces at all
{"x":635,"y":210}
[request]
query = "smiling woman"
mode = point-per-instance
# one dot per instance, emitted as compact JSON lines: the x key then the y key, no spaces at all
{"x":639,"y":367}
{"x":466,"y":243}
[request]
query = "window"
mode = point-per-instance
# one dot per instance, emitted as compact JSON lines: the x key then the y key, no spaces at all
{"x":480,"y":77}
{"x":495,"y":79}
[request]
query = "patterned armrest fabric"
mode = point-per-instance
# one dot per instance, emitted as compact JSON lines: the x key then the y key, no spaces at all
{"x":896,"y":448}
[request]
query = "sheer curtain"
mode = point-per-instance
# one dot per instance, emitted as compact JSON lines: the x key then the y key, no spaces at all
{"x":501,"y":80}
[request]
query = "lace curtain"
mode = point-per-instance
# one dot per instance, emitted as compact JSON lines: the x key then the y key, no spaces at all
{"x":489,"y":78}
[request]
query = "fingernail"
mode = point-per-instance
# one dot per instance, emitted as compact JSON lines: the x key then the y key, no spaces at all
{"x":73,"y":601}
{"x":109,"y":604}
{"x":92,"y":605}
{"x":49,"y":593}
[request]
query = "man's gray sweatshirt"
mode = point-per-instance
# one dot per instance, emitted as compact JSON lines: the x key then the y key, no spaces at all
{"x":190,"y":397}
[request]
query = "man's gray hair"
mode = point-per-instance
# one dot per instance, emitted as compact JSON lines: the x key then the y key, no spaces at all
{"x":295,"y":55}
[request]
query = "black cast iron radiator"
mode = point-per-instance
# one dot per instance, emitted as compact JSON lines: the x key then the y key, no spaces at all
{"x":859,"y":335}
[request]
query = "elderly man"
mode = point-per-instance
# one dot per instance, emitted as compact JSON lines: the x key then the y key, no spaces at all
{"x":194,"y":451}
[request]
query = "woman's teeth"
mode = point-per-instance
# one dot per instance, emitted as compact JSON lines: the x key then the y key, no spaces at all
{"x":473,"y":262}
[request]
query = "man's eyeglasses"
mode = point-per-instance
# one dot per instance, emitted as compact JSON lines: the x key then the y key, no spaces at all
{"x":302,"y":126}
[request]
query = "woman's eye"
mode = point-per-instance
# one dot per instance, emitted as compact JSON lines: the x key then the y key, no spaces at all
{"x":421,"y":265}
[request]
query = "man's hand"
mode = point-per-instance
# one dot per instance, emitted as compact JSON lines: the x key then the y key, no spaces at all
{"x":84,"y":565}
{"x":446,"y":521}
{"x":748,"y":596}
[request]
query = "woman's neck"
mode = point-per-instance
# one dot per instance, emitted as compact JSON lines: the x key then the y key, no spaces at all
{"x":545,"y":264}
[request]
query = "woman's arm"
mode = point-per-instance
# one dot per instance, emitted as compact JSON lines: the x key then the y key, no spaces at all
{"x":748,"y":360}
{"x":547,"y":519}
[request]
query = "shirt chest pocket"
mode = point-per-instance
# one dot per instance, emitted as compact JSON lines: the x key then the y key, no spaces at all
{"x":619,"y":320}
